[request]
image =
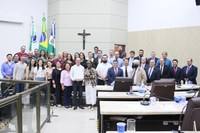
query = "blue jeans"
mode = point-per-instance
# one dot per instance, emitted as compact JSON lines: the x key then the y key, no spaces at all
{"x":67,"y":96}
{"x":77,"y":87}
{"x":19,"y":87}
{"x":40,"y":78}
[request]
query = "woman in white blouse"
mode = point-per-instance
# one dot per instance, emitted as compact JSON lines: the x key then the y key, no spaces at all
{"x":39,"y":71}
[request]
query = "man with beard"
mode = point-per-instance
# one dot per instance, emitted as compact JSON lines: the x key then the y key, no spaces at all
{"x":102,"y":69}
{"x":7,"y":68}
{"x":139,"y":74}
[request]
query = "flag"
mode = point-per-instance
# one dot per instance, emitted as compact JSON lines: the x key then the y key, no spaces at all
{"x":51,"y":48}
{"x":43,"y":44}
{"x":33,"y":39}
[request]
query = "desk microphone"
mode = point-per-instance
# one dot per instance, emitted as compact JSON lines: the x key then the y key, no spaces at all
{"x":144,"y":101}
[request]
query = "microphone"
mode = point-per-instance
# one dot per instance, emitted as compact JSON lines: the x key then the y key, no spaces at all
{"x":144,"y":101}
{"x":179,"y":121}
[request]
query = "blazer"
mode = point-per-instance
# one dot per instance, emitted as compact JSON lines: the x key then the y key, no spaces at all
{"x":165,"y":73}
{"x":95,"y":62}
{"x":146,"y":67}
{"x":140,"y":76}
{"x":111,"y":74}
{"x":168,"y":62}
{"x":191,"y":75}
{"x":177,"y":76}
{"x":154,"y":76}
{"x":129,"y":71}
{"x":155,"y":59}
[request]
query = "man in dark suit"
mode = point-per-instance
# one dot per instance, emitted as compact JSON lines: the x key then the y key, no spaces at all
{"x":131,"y":58}
{"x":141,"y":54}
{"x":153,"y":57}
{"x":114,"y":72}
{"x":95,"y":54}
{"x":175,"y":71}
{"x":190,"y":72}
{"x":144,"y":65}
{"x":98,"y":59}
{"x":153,"y":73}
{"x":164,"y":70}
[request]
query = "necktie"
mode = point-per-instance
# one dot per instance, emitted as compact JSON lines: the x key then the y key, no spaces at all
{"x":149,"y":74}
{"x":126,"y":72}
{"x":116,"y":71}
{"x":187,"y":70}
{"x":174,"y":70}
{"x":161,"y":70}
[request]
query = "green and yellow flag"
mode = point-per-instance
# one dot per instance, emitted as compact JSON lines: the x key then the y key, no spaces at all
{"x":43,"y":44}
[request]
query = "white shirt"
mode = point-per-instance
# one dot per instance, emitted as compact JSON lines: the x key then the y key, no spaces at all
{"x":77,"y":73}
{"x":19,"y":71}
{"x":142,"y":66}
{"x":131,"y":61}
{"x":39,"y":73}
{"x":102,"y":69}
{"x":129,"y":70}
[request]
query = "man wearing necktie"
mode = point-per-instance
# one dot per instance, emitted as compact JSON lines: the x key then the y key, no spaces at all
{"x":114,"y":72}
{"x":175,"y":71}
{"x":164,"y":70}
{"x":131,"y":58}
{"x":190,"y":72}
{"x":127,"y":70}
{"x":153,"y":72}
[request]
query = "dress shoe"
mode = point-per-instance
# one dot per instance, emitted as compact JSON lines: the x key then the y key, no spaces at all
{"x":81,"y":107}
{"x":75,"y":107}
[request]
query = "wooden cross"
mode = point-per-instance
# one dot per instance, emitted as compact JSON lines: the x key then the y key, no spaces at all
{"x":84,"y":35}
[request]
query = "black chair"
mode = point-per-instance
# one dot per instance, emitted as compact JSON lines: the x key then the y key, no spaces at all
{"x":163,"y":89}
{"x":192,"y":114}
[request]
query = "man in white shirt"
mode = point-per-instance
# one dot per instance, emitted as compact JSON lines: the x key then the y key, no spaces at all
{"x":102,"y":69}
{"x":127,"y":70}
{"x":77,"y":75}
{"x":19,"y":74}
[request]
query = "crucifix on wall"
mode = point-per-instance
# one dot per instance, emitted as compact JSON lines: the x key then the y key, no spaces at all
{"x":84,"y":34}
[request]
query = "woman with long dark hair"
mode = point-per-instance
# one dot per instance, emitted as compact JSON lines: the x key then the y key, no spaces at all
{"x":83,"y":60}
{"x":30,"y":69}
{"x":43,"y":56}
{"x":39,"y":71}
{"x":56,"y":83}
{"x":69,"y":59}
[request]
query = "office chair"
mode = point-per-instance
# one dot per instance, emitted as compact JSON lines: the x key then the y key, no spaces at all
{"x":192,"y":114}
{"x":163,"y":89}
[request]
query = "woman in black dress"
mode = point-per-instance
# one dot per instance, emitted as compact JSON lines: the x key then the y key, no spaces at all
{"x":56,"y":83}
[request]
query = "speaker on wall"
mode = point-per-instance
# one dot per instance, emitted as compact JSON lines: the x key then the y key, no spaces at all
{"x":197,"y":2}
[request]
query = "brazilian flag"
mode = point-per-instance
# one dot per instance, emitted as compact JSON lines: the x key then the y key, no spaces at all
{"x":43,"y":44}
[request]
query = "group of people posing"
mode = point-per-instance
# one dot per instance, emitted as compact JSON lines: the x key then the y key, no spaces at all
{"x":69,"y":75}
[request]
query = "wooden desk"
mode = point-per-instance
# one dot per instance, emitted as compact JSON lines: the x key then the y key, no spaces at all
{"x":134,"y":108}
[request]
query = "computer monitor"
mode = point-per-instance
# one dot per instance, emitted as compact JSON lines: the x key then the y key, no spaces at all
{"x":122,"y":84}
{"x":163,"y":89}
{"x":192,"y":114}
